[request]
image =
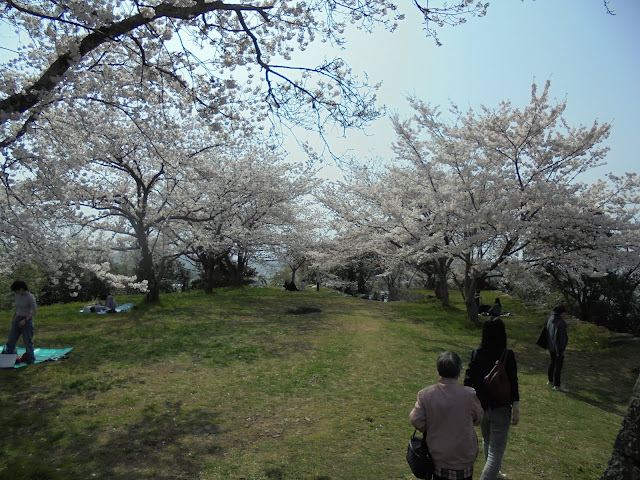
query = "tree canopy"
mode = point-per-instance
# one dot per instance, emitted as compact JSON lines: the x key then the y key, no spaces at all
{"x":482,"y":194}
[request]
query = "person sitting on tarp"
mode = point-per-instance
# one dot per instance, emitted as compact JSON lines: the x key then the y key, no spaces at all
{"x":22,"y":323}
{"x":496,"y":309}
{"x":94,"y":307}
{"x":109,"y":306}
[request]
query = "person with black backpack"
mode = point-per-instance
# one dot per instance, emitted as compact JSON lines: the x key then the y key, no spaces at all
{"x":499,"y":413}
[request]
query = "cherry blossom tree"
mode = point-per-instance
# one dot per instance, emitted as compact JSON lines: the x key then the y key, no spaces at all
{"x":593,"y":280}
{"x":251,"y":195}
{"x":473,"y":194}
{"x":300,"y":243}
{"x":231,"y":61}
{"x":121,"y":169}
{"x":366,"y":240}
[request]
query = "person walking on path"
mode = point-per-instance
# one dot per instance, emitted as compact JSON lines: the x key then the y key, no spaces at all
{"x":558,"y":339}
{"x":498,"y":414}
{"x":22,"y":323}
{"x":448,"y":412}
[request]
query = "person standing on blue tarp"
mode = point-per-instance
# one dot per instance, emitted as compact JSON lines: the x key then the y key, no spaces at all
{"x":22,"y":323}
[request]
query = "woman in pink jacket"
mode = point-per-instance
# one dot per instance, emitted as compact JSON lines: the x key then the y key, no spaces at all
{"x":448,"y":413}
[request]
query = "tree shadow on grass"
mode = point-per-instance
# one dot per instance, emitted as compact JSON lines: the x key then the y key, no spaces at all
{"x":280,"y":474}
{"x":601,"y":377}
{"x":167,"y":442}
{"x":597,"y":374}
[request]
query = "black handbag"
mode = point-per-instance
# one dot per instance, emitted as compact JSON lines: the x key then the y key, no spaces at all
{"x":543,"y":339}
{"x":419,"y":458}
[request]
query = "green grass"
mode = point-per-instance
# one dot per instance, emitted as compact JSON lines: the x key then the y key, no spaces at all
{"x":230,"y":386}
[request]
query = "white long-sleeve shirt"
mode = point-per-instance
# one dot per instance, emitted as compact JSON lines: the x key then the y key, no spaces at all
{"x":25,"y":305}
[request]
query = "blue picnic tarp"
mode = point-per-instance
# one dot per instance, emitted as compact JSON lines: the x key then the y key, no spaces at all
{"x":43,"y":354}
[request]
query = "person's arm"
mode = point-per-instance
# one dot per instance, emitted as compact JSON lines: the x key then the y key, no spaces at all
{"x":478,"y":413}
{"x":563,"y":337}
{"x":515,"y":414}
{"x":468,"y":374}
{"x":418,"y":416}
{"x":33,"y":308}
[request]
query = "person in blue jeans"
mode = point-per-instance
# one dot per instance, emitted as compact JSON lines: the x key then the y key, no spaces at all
{"x":498,"y":414}
{"x":22,"y":323}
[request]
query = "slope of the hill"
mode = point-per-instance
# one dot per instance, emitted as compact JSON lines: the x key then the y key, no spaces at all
{"x":231,"y":386}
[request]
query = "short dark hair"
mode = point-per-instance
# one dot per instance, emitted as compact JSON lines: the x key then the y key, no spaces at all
{"x":449,"y":364}
{"x":559,"y":309}
{"x":17,"y":285}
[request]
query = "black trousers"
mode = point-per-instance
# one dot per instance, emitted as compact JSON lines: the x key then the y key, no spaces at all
{"x":555,"y":368}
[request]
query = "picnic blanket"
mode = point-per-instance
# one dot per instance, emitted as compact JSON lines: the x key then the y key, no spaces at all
{"x":43,"y":354}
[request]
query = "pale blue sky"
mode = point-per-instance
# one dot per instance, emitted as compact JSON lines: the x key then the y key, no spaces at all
{"x":591,"y":58}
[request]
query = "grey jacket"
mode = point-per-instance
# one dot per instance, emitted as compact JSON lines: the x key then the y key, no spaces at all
{"x":557,"y":332}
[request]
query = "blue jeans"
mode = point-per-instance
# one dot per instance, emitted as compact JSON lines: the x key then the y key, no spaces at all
{"x":27,"y":337}
{"x":495,"y":432}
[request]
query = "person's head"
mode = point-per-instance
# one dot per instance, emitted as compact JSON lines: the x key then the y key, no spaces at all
{"x":19,"y":285}
{"x":497,"y":301}
{"x":449,"y":364}
{"x":558,"y":310}
{"x":494,"y":335}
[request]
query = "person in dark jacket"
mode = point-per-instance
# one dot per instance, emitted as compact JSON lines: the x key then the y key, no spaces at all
{"x":558,"y":339}
{"x":498,"y":415}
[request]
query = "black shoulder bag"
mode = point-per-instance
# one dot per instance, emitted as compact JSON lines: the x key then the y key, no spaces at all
{"x":419,"y":458}
{"x":543,"y":339}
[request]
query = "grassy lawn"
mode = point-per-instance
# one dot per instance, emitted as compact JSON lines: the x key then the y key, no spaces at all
{"x":231,"y":386}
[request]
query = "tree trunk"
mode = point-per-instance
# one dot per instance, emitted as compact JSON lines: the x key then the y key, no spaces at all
{"x":469,"y":294}
{"x":624,"y":463}
{"x":149,"y":274}
{"x":208,"y":263}
{"x":442,"y":287}
{"x":236,"y":270}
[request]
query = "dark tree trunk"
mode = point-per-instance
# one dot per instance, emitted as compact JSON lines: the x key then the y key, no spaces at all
{"x":442,"y":285}
{"x":148,"y":273}
{"x":624,"y":463}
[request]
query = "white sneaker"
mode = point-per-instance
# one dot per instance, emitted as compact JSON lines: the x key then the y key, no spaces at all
{"x":550,"y":384}
{"x":561,"y":389}
{"x":501,"y":476}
